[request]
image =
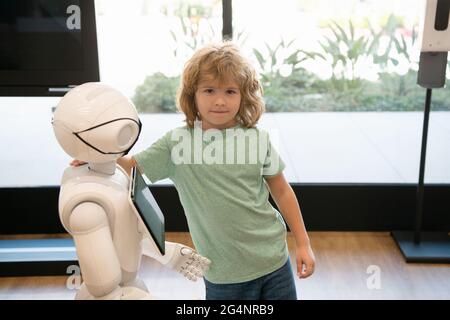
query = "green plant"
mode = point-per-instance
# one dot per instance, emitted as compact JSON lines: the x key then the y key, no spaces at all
{"x":393,"y":85}
{"x":196,"y":28}
{"x":272,"y":63}
{"x":388,"y":29}
{"x":291,"y":93}
{"x":289,"y":86}
{"x":156,"y":94}
{"x":345,"y":51}
{"x":284,"y":89}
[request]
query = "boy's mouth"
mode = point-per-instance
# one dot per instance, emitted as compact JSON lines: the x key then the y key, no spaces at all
{"x":219,"y":111}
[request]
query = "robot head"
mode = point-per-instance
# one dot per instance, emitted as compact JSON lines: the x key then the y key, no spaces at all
{"x":96,"y":123}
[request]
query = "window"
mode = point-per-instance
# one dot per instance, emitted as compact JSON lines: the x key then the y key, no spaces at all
{"x":344,"y":110}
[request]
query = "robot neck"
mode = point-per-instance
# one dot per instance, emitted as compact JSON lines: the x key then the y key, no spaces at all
{"x":105,"y":168}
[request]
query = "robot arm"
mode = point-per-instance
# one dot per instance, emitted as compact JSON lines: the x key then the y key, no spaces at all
{"x":178,"y":257}
{"x":97,"y":256}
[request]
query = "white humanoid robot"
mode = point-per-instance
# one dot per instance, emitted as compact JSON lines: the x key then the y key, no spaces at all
{"x":97,"y":124}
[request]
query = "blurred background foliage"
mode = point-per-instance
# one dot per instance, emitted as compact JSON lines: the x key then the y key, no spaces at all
{"x":347,"y":48}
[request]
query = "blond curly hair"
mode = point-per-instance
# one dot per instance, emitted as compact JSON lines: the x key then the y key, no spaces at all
{"x":221,"y":61}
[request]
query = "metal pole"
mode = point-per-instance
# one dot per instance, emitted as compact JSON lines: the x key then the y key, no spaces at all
{"x":420,"y":187}
{"x":227,"y":18}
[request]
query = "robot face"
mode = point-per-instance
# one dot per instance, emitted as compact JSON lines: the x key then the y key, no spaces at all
{"x":125,"y":135}
{"x":96,"y":123}
{"x":112,"y":139}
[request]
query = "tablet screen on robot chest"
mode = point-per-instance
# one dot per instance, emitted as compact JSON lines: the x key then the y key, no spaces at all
{"x":148,"y":209}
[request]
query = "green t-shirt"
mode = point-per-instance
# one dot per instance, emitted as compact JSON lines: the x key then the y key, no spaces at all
{"x":219,"y":176}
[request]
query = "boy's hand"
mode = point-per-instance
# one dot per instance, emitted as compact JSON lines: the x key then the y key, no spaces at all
{"x":77,"y":163}
{"x":306,"y":261}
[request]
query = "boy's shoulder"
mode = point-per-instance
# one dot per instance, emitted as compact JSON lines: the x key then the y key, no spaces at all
{"x":185,"y":131}
{"x":174,"y":134}
{"x":259,"y":131}
{"x":176,"y":130}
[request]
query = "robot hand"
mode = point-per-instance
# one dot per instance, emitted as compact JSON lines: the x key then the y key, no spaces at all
{"x":178,"y":257}
{"x":187,"y":261}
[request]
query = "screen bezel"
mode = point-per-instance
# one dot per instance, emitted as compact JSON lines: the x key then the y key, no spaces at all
{"x":134,"y":173}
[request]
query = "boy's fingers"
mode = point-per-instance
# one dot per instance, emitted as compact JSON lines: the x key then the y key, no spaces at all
{"x":299,"y":267}
{"x":304,"y":269}
{"x":76,"y":163}
{"x":309,"y":269}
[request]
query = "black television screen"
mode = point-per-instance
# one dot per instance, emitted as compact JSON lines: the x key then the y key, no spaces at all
{"x":46,"y":46}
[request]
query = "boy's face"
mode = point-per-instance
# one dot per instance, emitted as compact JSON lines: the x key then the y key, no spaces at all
{"x":218,"y":103}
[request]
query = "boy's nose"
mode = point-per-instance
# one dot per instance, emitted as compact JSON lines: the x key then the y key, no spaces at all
{"x":220,"y":101}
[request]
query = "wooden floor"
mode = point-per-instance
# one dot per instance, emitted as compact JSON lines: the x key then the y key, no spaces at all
{"x":345,"y":262}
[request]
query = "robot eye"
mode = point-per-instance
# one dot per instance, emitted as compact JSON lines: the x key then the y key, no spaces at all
{"x":126,"y":134}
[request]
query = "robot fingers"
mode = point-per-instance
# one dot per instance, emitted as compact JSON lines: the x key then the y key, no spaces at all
{"x":205,"y":262}
{"x":186,"y":251}
{"x":190,"y":275}
{"x":197,"y":271}
{"x":196,"y":257}
{"x":201,"y":264}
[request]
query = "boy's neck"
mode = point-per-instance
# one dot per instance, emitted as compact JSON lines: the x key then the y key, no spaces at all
{"x":206,"y":126}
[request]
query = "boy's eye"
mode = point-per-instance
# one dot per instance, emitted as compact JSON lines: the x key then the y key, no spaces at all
{"x":231,"y":91}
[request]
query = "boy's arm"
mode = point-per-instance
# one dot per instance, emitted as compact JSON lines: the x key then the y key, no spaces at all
{"x":127,"y":163}
{"x":287,"y":202}
{"x":285,"y":198}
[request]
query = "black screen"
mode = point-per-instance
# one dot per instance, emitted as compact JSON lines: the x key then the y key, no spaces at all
{"x":148,"y":209}
{"x":40,"y":35}
{"x":46,"y":44}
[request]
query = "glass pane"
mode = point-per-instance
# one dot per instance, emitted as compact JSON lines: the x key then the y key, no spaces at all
{"x":142,"y":45}
{"x":340,"y":85}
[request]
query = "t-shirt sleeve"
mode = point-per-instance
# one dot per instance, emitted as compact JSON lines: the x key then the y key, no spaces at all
{"x":155,"y":161}
{"x":273,"y":164}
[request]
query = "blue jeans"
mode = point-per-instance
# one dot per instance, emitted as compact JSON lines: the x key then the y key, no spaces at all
{"x":277,"y":285}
